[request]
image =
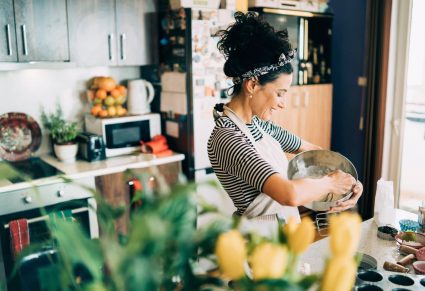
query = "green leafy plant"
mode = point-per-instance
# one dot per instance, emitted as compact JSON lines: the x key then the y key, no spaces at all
{"x":163,"y":247}
{"x":61,"y":131}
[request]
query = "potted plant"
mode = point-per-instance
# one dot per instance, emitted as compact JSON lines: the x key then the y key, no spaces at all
{"x":63,"y":134}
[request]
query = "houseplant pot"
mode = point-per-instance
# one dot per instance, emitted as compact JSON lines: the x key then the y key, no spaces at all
{"x":66,"y":152}
{"x":63,"y":134}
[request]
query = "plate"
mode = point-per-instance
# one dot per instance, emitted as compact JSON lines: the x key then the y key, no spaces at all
{"x":412,"y":239}
{"x":20,"y":136}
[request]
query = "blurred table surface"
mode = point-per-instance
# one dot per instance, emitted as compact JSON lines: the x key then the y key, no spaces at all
{"x":370,"y":244}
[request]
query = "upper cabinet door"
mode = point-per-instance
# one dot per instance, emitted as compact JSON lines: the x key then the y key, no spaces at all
{"x":8,"y":51}
{"x":136,"y":31}
{"x":92,"y":34}
{"x":41,"y":29}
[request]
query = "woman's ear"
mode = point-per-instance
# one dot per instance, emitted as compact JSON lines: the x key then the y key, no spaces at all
{"x":249,"y":86}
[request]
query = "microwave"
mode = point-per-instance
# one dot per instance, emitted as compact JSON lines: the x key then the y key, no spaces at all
{"x":122,"y":135}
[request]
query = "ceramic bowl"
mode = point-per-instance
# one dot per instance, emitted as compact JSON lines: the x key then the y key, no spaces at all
{"x":412,"y":239}
{"x":419,"y":267}
{"x":316,"y":164}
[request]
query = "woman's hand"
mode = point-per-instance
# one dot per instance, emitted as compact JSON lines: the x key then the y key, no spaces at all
{"x":350,"y":203}
{"x":341,"y":182}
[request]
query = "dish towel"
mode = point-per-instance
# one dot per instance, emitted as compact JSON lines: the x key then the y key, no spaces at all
{"x":157,"y":146}
{"x":19,"y":235}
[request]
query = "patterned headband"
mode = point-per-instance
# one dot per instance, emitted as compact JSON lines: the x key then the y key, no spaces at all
{"x":283,"y":60}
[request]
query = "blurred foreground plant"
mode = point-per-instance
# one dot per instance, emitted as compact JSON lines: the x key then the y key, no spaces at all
{"x":162,"y":249}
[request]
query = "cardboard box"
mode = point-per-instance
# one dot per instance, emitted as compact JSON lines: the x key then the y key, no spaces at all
{"x":212,"y":4}
{"x":312,"y":5}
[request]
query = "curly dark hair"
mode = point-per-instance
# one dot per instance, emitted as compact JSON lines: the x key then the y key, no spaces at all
{"x":251,"y":43}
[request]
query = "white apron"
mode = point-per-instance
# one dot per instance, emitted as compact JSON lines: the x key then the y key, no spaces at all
{"x":263,"y":212}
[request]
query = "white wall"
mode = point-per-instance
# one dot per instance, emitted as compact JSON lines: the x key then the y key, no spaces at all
{"x":28,"y":90}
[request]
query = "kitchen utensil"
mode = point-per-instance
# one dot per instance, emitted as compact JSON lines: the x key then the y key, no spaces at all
{"x":316,"y":164}
{"x":395,"y":267}
{"x":387,"y":232}
{"x":408,"y":225}
{"x":367,"y":262}
{"x":140,"y":96}
{"x":20,"y":136}
{"x":412,"y":239}
{"x":408,"y":250}
{"x":407,"y":260}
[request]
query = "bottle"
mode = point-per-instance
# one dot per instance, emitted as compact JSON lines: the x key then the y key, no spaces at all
{"x":316,"y":67}
{"x":322,"y":63}
{"x":309,"y":63}
{"x":421,"y":215}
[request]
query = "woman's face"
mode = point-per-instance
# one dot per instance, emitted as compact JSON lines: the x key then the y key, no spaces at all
{"x":270,"y":97}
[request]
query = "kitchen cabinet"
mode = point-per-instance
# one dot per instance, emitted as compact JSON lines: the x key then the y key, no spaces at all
{"x":33,"y":31}
{"x":308,"y":113}
{"x":114,"y":188}
{"x":111,"y":32}
{"x":7,"y":32}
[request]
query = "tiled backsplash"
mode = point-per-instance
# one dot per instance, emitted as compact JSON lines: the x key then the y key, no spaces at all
{"x":28,"y":90}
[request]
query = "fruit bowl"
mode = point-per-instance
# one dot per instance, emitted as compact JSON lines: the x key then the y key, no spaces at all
{"x":107,"y":99}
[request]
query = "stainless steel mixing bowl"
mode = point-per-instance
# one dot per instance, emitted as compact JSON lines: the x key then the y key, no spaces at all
{"x":316,"y":164}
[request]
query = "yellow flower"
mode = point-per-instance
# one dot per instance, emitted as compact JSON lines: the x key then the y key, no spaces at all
{"x":268,"y":261}
{"x":290,"y":226}
{"x":340,"y":274}
{"x":231,"y":254}
{"x":344,"y":232}
{"x":300,"y":239}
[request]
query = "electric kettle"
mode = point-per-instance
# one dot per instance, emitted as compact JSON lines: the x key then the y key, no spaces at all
{"x":140,"y":96}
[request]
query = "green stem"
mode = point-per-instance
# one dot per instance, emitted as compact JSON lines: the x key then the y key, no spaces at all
{"x":292,"y":272}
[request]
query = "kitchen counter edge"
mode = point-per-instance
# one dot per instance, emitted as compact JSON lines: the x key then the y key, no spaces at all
{"x":82,"y":169}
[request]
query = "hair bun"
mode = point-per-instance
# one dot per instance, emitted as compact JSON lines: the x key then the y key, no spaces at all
{"x":249,"y":43}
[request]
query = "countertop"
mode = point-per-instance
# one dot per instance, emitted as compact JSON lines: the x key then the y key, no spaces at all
{"x":82,"y":169}
{"x":370,"y":244}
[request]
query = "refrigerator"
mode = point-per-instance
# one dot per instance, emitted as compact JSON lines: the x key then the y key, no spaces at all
{"x":192,"y":81}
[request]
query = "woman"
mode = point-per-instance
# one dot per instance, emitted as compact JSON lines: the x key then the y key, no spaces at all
{"x":245,"y":149}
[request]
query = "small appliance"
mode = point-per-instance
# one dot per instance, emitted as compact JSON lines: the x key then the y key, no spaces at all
{"x":140,"y":96}
{"x":91,"y":147}
{"x":122,"y":135}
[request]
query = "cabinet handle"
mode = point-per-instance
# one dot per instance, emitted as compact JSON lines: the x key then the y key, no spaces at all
{"x":9,"y":41}
{"x":24,"y":39}
{"x":122,"y":40}
{"x":110,"y":38}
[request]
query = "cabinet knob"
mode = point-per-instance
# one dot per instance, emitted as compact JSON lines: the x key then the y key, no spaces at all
{"x":61,"y":193}
{"x":27,"y":199}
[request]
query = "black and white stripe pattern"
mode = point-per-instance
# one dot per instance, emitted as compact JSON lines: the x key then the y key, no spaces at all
{"x":239,"y":167}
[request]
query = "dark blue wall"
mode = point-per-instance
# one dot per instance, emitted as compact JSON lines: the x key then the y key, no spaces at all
{"x":348,"y":53}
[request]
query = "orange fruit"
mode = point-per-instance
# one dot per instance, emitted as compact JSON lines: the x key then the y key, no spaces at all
{"x":95,"y":110}
{"x":101,"y":94}
{"x":103,"y":113}
{"x":120,"y":110}
{"x":112,"y":111}
{"x":106,"y":83}
{"x":116,"y":93}
{"x":122,"y":89}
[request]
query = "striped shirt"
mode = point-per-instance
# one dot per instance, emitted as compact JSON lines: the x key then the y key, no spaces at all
{"x":238,"y":166}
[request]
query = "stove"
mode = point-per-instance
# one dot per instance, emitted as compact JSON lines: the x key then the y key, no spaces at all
{"x":27,"y":170}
